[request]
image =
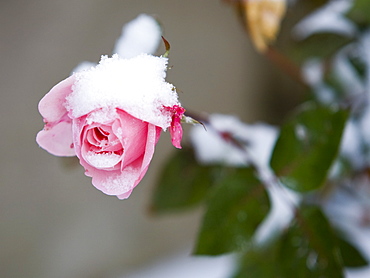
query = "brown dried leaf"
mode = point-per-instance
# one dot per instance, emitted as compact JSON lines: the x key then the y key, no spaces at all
{"x":262,"y":19}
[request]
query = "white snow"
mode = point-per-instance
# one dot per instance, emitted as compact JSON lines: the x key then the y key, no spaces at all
{"x":283,"y":202}
{"x":312,"y":72}
{"x":141,"y":35}
{"x":351,"y":145}
{"x":131,"y":79}
{"x":102,"y":160}
{"x":365,"y":125}
{"x":122,"y":182}
{"x":329,"y":18}
{"x":102,"y":116}
{"x":349,"y":209}
{"x":364,"y":54}
{"x":183,"y":265}
{"x":136,"y":85}
{"x":211,"y":148}
{"x":346,"y":74}
{"x":258,"y":139}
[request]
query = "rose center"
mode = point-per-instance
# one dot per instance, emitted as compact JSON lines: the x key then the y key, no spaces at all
{"x":103,"y":148}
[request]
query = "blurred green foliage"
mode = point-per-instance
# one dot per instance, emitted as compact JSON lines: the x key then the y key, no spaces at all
{"x":307,"y":146}
{"x":183,"y":183}
{"x":234,"y":209}
{"x":236,"y":201}
{"x":309,"y":248}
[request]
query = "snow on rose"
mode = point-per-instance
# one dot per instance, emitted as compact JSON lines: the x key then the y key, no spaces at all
{"x":111,"y":116}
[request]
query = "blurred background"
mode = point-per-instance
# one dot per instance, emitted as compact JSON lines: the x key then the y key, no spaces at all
{"x":53,"y":222}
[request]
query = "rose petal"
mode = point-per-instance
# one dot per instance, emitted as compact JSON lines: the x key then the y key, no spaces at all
{"x":51,"y":106}
{"x":96,"y":148}
{"x":57,"y":139}
{"x":176,"y":128}
{"x":125,"y":195}
{"x":176,"y":134}
{"x":154,"y":133}
{"x":133,"y":134}
{"x":117,"y":182}
{"x":122,"y":182}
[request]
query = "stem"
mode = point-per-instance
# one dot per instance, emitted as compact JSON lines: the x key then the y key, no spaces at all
{"x":285,"y":64}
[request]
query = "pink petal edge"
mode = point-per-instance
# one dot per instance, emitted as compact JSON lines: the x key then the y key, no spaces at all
{"x":57,"y":140}
{"x":51,"y":106}
{"x":56,"y":136}
{"x":176,"y":128}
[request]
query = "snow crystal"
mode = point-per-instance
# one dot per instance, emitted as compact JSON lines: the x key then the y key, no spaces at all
{"x":136,"y":85}
{"x":122,"y":183}
{"x":329,"y":18}
{"x":141,"y":35}
{"x":102,"y":116}
{"x":102,"y":160}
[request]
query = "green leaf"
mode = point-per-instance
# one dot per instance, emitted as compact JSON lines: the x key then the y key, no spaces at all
{"x":308,"y":249}
{"x":235,"y":208}
{"x":310,"y":246}
{"x":307,"y":146}
{"x":351,"y":256}
{"x":260,"y":262}
{"x":360,"y":12}
{"x":182,"y":184}
{"x":319,"y":45}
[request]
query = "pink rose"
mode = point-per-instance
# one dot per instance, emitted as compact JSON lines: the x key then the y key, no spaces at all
{"x":111,"y":117}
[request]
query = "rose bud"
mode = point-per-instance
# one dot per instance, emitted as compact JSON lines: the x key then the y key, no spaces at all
{"x":111,"y":116}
